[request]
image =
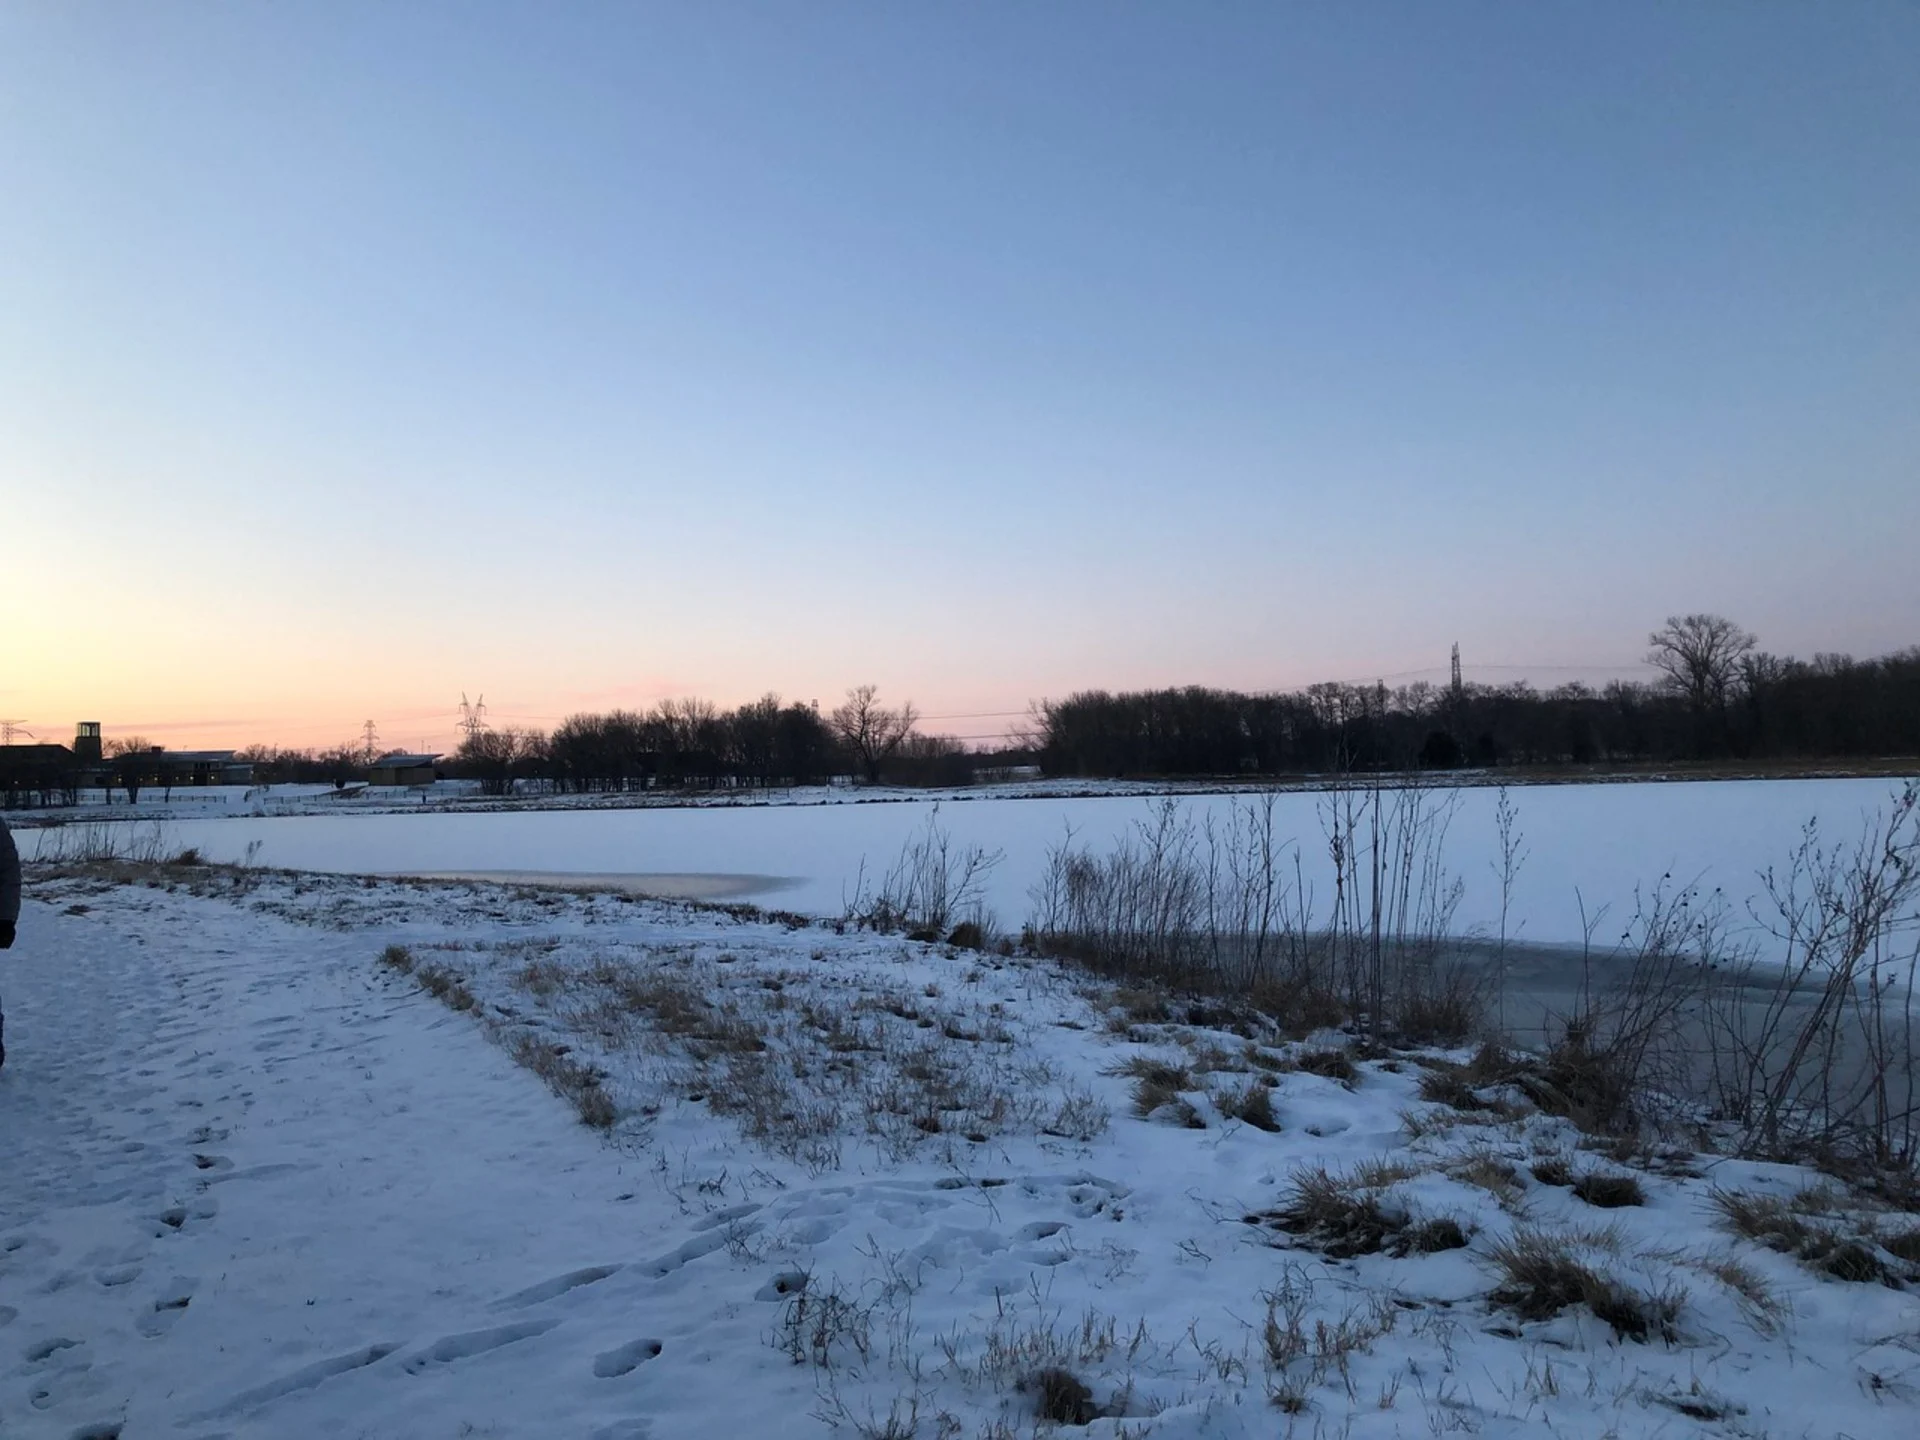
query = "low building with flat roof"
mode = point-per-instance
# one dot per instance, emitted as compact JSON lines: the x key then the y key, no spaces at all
{"x":398,"y":769}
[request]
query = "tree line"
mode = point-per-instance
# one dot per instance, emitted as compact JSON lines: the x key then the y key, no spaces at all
{"x":694,"y":744}
{"x":1719,"y":697}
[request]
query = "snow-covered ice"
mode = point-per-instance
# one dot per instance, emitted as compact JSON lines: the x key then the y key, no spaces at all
{"x":256,"y":1182}
{"x":1590,"y":844}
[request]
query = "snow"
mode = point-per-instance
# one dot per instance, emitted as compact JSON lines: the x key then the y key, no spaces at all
{"x":1586,"y":844}
{"x":257,"y":1182}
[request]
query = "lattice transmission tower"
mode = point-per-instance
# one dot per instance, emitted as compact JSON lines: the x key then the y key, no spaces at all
{"x":473,"y":718}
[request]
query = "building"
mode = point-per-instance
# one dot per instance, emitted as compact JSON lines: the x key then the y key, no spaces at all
{"x":399,"y":769}
{"x":38,"y":775}
{"x":198,"y":767}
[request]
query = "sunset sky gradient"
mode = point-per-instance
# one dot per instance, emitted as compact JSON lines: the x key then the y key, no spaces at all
{"x":353,"y":356}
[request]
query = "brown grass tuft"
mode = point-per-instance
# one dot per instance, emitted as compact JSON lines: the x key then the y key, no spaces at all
{"x":1252,"y":1105}
{"x":1541,"y":1275}
{"x":1553,"y":1170}
{"x":1063,"y":1398}
{"x":1609,"y":1192}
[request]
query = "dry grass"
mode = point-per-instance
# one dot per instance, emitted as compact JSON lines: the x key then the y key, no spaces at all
{"x":1807,"y":1227}
{"x":1609,"y":1192}
{"x":1543,"y":1274}
{"x":1764,"y":1310}
{"x":445,"y":984}
{"x":1135,"y":1006}
{"x":1159,"y":1086}
{"x":1344,"y":1214}
{"x":805,"y":1061}
{"x":1495,"y":1174}
{"x":1553,"y":1170}
{"x":1061,"y":1397}
{"x":1301,"y":1357}
{"x":1251,"y":1105}
{"x":579,"y":1085}
{"x":1445,"y":1084}
{"x":1327,"y":1062}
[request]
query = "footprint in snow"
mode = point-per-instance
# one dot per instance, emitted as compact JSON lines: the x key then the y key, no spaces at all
{"x":556,"y":1287}
{"x":175,"y":1218}
{"x":785,"y":1285}
{"x":814,"y":1231}
{"x":306,"y":1378}
{"x":722,"y":1217}
{"x":624,"y":1359}
{"x":168,"y":1306}
{"x":475,"y":1342}
{"x":42,"y":1351}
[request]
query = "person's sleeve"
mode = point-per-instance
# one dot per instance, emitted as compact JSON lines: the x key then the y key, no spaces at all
{"x":9,"y":878}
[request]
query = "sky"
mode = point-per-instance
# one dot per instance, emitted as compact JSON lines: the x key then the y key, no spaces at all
{"x":354,"y":357}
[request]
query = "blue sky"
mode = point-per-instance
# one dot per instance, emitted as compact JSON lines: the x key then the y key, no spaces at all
{"x":357,"y":355}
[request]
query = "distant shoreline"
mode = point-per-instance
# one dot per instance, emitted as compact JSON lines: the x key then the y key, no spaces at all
{"x":222,"y":802}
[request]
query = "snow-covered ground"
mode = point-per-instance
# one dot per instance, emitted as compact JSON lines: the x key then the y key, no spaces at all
{"x":1586,"y":845}
{"x":256,"y":1180}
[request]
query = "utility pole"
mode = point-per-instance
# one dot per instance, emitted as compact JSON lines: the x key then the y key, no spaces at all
{"x":372,"y":739}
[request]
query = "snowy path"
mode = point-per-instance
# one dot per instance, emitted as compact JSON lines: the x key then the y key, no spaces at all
{"x":229,"y":1205}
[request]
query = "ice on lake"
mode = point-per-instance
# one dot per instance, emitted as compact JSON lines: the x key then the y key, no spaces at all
{"x":1591,"y":844}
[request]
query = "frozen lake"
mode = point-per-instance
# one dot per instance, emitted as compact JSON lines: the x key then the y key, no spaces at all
{"x":1599,"y":840}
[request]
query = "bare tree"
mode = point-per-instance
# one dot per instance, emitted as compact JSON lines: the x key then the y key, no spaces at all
{"x":1700,"y":655}
{"x":497,"y":758}
{"x":870,"y":730}
{"x":132,"y":757}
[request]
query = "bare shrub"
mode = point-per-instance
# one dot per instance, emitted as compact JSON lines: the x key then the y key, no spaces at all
{"x":1220,"y":909}
{"x":397,"y":957}
{"x":935,"y":888}
{"x":1812,"y":1042}
{"x":1623,"y":1057}
{"x":821,"y":1325}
